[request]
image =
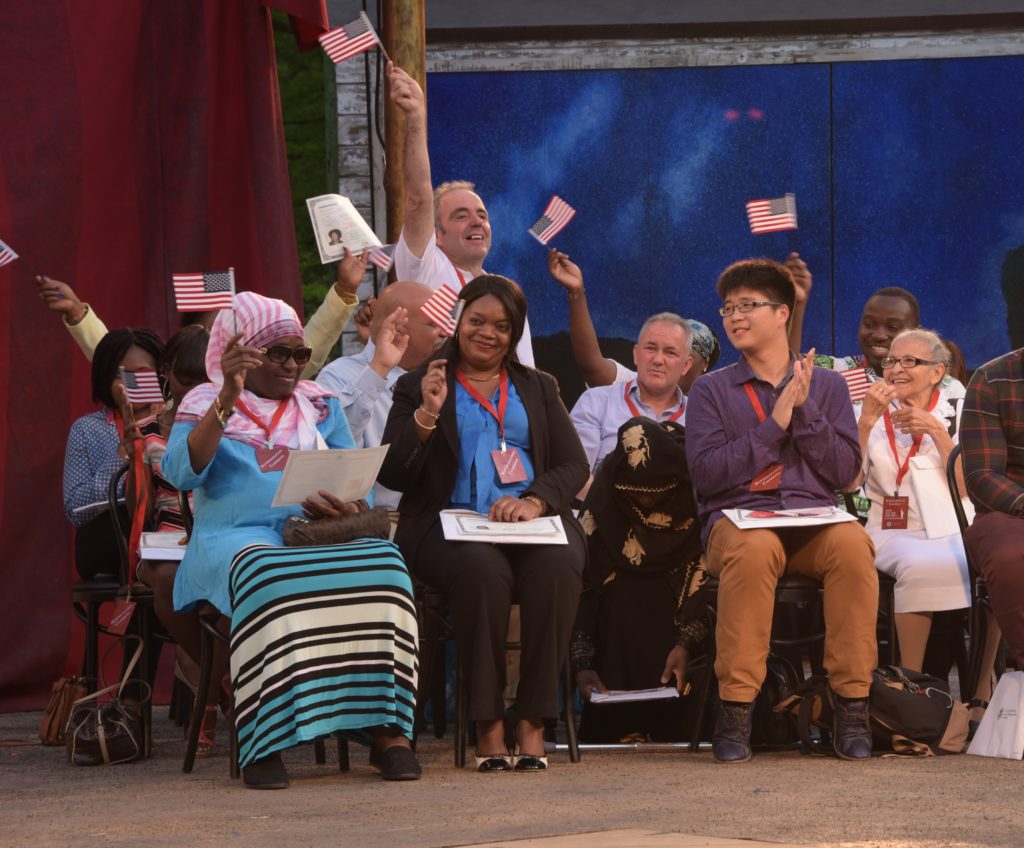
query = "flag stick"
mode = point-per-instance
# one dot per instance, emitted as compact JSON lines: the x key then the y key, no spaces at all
{"x":234,"y":313}
{"x":28,"y":267}
{"x":373,"y":29}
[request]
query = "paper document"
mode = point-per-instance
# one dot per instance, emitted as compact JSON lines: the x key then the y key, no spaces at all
{"x":98,"y":506}
{"x":348,"y":474}
{"x":337,"y":225}
{"x":622,"y":696}
{"x":750,"y":519}
{"x":164,"y":546}
{"x":463,"y":525}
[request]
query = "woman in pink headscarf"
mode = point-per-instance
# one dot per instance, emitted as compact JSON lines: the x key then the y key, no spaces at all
{"x":313,"y":651}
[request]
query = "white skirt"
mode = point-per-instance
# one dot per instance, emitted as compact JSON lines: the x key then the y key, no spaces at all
{"x":931,"y":574}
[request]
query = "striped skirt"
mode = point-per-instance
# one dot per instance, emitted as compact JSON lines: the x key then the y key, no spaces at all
{"x":323,"y":639}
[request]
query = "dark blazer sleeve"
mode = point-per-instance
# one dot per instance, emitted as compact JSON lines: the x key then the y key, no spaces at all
{"x":565,"y":465}
{"x":407,"y":455}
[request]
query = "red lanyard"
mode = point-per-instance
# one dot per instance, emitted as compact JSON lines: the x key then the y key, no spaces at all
{"x":754,"y":402}
{"x":499,"y":413}
{"x":458,"y":273}
{"x":636,"y":412}
{"x":252,"y":416}
{"x":915,"y":442}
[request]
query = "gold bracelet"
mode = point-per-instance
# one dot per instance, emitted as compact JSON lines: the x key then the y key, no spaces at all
{"x":221,"y":414}
{"x":421,"y":425}
{"x":431,"y":414}
{"x":536,"y":501}
{"x":85,"y":311}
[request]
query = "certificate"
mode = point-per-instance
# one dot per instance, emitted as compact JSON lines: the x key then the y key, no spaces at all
{"x":463,"y":525}
{"x":347,"y":473}
{"x":750,"y":519}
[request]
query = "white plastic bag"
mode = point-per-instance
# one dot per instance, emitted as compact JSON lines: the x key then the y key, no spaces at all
{"x":1001,"y":732}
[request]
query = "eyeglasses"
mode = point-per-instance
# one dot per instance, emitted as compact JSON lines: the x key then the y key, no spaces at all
{"x":280,"y":354}
{"x":907,"y":362}
{"x":745,"y":306}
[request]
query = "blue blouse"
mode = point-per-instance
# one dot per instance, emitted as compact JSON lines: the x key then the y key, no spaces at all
{"x":477,"y":484}
{"x":90,"y":460}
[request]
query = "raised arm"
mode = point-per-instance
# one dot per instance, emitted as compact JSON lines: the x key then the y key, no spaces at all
{"x":984,"y":450}
{"x":324,"y":328}
{"x":803,"y":280}
{"x":596,"y":369}
{"x":418,"y":191}
{"x":82,"y":323}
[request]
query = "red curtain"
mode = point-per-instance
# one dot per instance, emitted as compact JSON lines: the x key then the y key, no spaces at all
{"x":136,"y":139}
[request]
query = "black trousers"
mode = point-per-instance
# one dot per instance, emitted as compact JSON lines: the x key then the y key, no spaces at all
{"x":482,"y":581}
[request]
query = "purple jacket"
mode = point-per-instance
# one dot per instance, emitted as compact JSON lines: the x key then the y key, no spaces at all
{"x":726,"y":446}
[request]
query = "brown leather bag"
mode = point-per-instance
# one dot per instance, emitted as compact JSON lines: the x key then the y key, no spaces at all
{"x":65,"y":692}
{"x":373,"y":523}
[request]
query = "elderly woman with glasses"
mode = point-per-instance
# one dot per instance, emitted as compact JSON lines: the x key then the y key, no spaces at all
{"x":913,"y":412}
{"x":323,"y":639}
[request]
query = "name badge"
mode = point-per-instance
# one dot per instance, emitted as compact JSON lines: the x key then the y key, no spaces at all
{"x":122,"y":616}
{"x":895,"y":513}
{"x":509,"y":465}
{"x":271,"y":459}
{"x":768,"y":480}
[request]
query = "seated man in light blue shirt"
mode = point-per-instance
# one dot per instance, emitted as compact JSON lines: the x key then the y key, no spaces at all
{"x":662,"y":356}
{"x":402,"y":338}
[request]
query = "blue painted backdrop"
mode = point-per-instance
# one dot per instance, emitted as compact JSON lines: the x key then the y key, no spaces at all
{"x":906,"y":173}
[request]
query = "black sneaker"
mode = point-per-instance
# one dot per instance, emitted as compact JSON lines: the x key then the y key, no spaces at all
{"x":396,"y":763}
{"x":851,"y":728}
{"x":268,"y":773}
{"x":731,"y":740}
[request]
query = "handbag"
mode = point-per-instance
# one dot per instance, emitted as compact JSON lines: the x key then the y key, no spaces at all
{"x":106,"y":732}
{"x":65,"y":692}
{"x":1001,"y":732}
{"x":302,"y":532}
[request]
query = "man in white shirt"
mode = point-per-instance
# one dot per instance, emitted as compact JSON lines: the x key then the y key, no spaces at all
{"x":403,"y":338}
{"x":446,"y":234}
{"x":662,"y":356}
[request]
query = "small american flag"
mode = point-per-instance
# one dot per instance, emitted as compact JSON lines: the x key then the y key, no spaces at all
{"x":857,"y":382}
{"x":142,"y":386}
{"x":383,"y":257}
{"x":555,"y":219}
{"x":350,"y":40}
{"x":200,"y":292}
{"x":771,"y":216}
{"x":444,"y":308}
{"x":7,"y":254}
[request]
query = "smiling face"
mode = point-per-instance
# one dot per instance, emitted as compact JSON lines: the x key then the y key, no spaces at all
{"x":916,"y":383}
{"x":660,"y":357}
{"x":485,"y":334}
{"x":758,"y":329}
{"x":884,"y":318}
{"x":463,"y":228}
{"x":273,"y":380}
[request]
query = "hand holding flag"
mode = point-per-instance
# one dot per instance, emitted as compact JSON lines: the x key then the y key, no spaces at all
{"x":772,"y":216}
{"x":350,"y":40}
{"x":555,"y":219}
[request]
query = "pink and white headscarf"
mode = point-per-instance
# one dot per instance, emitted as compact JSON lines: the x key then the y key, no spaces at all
{"x":261,"y":321}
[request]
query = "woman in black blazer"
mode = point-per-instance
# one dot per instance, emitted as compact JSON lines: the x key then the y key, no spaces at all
{"x":480,"y":431}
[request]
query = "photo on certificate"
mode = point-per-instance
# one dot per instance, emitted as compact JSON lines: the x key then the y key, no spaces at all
{"x":337,"y":224}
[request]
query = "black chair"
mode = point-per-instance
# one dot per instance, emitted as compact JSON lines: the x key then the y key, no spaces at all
{"x":209,"y":617}
{"x":981,"y":606}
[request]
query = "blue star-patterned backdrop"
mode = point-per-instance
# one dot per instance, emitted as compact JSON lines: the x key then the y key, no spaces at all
{"x":905,"y":173}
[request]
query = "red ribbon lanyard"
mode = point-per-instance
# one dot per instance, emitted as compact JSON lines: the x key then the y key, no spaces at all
{"x":499,"y":413}
{"x":458,"y":273}
{"x":754,"y":402}
{"x":636,"y":412}
{"x":915,"y":442}
{"x":252,"y":416}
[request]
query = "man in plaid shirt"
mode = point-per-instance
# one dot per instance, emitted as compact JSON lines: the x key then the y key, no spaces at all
{"x":992,"y":441}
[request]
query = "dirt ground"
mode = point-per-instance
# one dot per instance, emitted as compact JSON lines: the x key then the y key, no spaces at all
{"x":777,"y":797}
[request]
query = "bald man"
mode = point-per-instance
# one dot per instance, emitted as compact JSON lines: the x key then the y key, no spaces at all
{"x":401,"y":338}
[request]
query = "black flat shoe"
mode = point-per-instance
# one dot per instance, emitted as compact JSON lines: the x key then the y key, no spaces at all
{"x":495,"y":762}
{"x":529,"y":762}
{"x":268,"y":773}
{"x":396,"y":763}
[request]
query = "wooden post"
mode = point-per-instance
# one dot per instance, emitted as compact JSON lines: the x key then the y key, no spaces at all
{"x":404,"y":33}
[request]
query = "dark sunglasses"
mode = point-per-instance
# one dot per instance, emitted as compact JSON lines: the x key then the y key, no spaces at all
{"x":280,"y":354}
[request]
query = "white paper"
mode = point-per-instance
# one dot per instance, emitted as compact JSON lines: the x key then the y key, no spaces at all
{"x":337,"y":225}
{"x":347,"y":473}
{"x":931,"y":488}
{"x":98,"y":506}
{"x":751,"y":519}
{"x":462,"y":525}
{"x":623,"y":696}
{"x":1001,"y":732}
{"x":162,"y":546}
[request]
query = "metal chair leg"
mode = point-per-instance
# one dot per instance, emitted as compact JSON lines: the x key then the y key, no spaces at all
{"x":342,"y":753}
{"x":319,"y":752}
{"x":205,"y":673}
{"x":461,"y":714}
{"x":570,"y":714}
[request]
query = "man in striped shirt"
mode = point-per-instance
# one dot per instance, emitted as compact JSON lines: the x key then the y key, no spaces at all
{"x":992,"y":441}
